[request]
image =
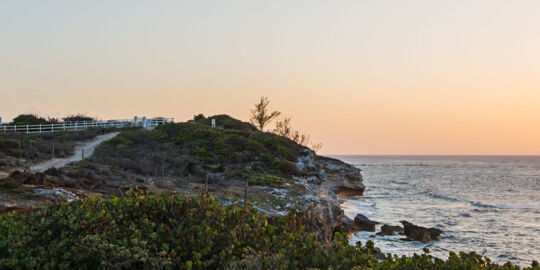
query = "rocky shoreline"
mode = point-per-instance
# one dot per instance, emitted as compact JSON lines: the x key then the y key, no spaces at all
{"x":335,"y":179}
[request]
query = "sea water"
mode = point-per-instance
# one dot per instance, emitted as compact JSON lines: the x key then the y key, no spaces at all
{"x":486,"y":204}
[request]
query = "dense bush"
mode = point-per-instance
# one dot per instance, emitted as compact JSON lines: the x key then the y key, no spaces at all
{"x":172,"y":232}
{"x":32,"y":119}
{"x":230,"y":145}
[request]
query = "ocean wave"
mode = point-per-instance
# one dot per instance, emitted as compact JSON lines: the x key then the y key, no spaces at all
{"x":503,"y":206}
{"x":436,"y":194}
{"x":399,"y":182}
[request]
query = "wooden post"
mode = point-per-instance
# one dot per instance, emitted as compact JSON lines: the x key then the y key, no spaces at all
{"x":64,"y":125}
{"x":83,"y":153}
{"x":245,"y":194}
{"x":26,"y":128}
{"x":39,"y":128}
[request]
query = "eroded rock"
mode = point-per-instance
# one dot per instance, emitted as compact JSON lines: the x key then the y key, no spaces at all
{"x":418,"y":233}
{"x":364,"y":224}
{"x":342,"y":178}
{"x":389,"y":230}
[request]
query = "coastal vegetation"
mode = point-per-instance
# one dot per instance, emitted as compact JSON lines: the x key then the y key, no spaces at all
{"x":32,"y":119}
{"x":169,"y":231}
{"x":235,"y":148}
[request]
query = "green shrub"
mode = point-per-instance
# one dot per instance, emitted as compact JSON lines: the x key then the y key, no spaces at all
{"x":199,"y":117}
{"x":31,"y":119}
{"x":200,"y":151}
{"x":168,"y":231}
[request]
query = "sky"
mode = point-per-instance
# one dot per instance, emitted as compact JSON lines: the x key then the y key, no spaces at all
{"x":362,"y":77}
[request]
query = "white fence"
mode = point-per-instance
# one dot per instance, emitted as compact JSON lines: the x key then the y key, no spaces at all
{"x":82,"y":125}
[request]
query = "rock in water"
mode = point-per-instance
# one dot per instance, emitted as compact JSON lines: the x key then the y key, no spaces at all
{"x":418,"y":233}
{"x":364,"y":224}
{"x":389,"y":230}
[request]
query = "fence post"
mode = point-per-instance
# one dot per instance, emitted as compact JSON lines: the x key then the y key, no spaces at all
{"x":26,"y":128}
{"x":245,"y":194}
{"x":52,"y":128}
{"x":82,"y":153}
{"x":64,"y":125}
{"x":76,"y":125}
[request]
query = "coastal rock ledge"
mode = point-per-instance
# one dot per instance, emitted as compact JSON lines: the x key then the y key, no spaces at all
{"x":329,"y":179}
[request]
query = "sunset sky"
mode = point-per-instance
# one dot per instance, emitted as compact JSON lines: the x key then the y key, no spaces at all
{"x":362,"y":77}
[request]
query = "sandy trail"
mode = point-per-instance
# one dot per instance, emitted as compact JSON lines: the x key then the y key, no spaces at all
{"x":88,"y":147}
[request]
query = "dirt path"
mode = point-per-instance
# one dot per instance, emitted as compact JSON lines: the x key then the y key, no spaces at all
{"x":88,"y":148}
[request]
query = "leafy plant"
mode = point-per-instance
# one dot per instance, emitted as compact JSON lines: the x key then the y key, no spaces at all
{"x":168,"y":231}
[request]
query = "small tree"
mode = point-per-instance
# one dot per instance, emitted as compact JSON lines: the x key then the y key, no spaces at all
{"x":260,"y":117}
{"x":284,"y":128}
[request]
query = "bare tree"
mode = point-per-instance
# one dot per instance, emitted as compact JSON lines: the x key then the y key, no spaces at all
{"x":260,"y":117}
{"x":284,"y":128}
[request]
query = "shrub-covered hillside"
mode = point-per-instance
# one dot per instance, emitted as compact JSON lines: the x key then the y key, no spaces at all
{"x":169,"y":231}
{"x":234,"y":150}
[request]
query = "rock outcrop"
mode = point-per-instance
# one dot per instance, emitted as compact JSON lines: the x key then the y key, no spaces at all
{"x":364,"y":224}
{"x":330,"y":178}
{"x":390,"y":230}
{"x":342,"y":178}
{"x":418,"y":233}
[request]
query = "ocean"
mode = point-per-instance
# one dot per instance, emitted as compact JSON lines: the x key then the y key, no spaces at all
{"x":487,"y":204}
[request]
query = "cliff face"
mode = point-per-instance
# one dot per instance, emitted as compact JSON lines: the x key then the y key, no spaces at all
{"x":331,"y":178}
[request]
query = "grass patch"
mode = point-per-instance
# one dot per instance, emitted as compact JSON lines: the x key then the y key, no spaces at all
{"x":269,"y":180}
